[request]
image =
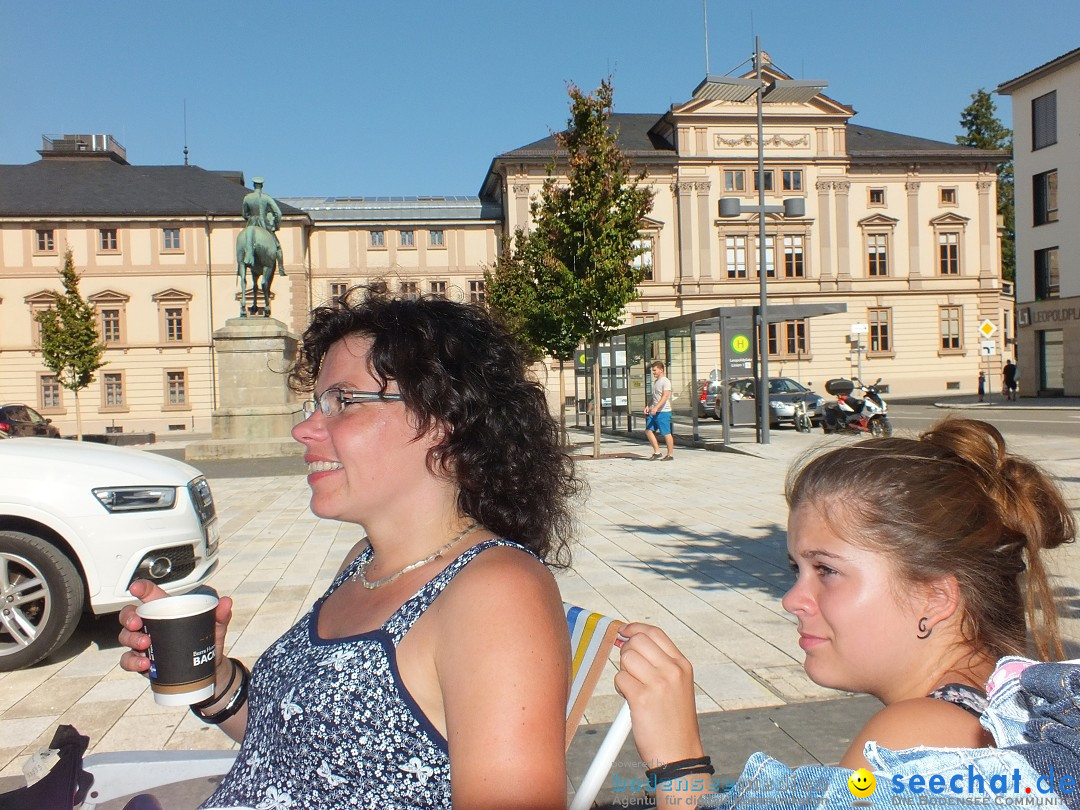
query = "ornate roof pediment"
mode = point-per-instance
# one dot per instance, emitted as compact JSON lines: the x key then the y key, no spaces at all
{"x":43,"y":297}
{"x":950,"y":219}
{"x":650,"y":224}
{"x":878,"y":221}
{"x":108,"y":297}
{"x":171,"y":294}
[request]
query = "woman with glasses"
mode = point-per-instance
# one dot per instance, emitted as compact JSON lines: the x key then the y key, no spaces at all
{"x":433,"y":671}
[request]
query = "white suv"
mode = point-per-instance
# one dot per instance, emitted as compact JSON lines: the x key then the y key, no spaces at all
{"x":78,"y":523}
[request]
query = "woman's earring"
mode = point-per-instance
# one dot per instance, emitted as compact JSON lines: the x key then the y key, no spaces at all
{"x":924,"y":631}
{"x":436,"y":454}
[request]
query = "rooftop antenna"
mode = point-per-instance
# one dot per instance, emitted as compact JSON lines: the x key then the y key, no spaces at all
{"x":705,"y":9}
{"x":185,"y":135}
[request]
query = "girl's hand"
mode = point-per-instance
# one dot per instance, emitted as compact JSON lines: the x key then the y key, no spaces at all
{"x":658,"y":682}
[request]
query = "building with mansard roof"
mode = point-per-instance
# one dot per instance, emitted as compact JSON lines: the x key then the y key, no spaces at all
{"x":903,"y":230}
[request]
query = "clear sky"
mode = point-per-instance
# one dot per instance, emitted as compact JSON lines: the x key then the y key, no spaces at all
{"x":365,"y":98}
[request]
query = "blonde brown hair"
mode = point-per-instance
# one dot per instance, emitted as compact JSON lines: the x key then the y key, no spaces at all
{"x":954,"y":502}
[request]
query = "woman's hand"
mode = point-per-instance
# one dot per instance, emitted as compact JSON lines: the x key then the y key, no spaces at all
{"x":137,"y":642}
{"x":658,"y":682}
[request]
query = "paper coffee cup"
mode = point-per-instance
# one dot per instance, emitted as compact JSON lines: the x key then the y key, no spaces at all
{"x":181,"y":653}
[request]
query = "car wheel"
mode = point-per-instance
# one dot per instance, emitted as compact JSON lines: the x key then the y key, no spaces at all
{"x":41,"y":599}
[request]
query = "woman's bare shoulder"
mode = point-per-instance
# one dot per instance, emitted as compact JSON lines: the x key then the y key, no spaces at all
{"x":918,"y":721}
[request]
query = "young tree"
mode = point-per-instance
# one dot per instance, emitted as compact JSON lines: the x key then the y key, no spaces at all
{"x":587,"y":228}
{"x":70,"y":345}
{"x":983,"y":130}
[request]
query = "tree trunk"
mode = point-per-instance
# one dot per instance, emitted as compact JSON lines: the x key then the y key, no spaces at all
{"x":598,"y":404}
{"x":78,"y":418}
{"x":564,"y":440}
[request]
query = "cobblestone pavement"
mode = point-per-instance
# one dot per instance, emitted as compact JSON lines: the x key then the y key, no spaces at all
{"x":695,"y":546}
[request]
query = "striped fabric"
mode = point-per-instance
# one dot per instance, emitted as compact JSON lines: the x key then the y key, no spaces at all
{"x":592,"y":636}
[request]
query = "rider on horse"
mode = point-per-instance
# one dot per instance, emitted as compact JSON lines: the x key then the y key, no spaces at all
{"x":260,"y":210}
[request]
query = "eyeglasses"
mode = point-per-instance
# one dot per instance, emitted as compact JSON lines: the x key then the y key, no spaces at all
{"x":332,"y":401}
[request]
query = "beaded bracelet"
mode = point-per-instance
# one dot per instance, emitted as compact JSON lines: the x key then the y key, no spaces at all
{"x":210,"y":701}
{"x":236,"y":702}
{"x":679,"y":769}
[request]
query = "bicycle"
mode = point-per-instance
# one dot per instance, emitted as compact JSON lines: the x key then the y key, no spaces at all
{"x":803,"y":423}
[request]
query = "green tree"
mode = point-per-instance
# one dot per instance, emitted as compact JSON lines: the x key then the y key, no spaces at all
{"x":983,"y":130}
{"x":70,"y":345}
{"x":587,"y":228}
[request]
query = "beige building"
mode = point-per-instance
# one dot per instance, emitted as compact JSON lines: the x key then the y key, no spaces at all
{"x":901,"y":229}
{"x":1046,"y":155}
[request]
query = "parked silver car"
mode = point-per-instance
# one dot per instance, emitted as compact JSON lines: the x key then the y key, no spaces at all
{"x":783,"y":393}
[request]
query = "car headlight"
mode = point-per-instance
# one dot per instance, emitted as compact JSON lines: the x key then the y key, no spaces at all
{"x":819,"y":402}
{"x":776,"y":404}
{"x":136,"y":499}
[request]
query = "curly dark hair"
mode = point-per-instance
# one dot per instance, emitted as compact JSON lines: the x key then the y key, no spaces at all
{"x":460,"y":370}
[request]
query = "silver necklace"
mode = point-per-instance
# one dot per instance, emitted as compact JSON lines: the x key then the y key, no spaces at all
{"x":362,"y":575}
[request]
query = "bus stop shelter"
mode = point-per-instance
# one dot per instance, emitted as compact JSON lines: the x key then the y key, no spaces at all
{"x":714,"y":344}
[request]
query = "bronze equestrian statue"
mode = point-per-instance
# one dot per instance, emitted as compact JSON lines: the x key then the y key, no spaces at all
{"x":258,"y":248}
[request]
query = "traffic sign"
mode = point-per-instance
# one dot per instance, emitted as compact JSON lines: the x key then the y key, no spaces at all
{"x":740,"y":344}
{"x":860,"y":328}
{"x":987,"y":329}
{"x":988,"y":347}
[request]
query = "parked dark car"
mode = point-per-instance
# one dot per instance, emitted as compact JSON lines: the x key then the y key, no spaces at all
{"x":783,"y":393}
{"x":22,"y":420}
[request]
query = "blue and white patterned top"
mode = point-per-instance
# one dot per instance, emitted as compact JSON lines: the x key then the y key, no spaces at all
{"x":331,"y":725}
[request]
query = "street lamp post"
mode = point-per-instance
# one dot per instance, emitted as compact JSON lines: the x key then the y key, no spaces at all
{"x":786,"y":90}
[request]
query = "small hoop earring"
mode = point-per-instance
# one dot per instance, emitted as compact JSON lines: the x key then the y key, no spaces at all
{"x":924,"y":632}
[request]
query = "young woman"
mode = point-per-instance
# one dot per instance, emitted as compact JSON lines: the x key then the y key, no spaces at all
{"x":435,"y":668}
{"x":918,"y":563}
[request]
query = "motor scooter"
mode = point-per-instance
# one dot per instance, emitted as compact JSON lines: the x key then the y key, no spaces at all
{"x":859,"y":408}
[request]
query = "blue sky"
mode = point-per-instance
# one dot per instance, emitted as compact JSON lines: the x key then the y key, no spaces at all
{"x":364,"y":98}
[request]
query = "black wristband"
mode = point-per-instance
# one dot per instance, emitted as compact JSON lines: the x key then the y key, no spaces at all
{"x":679,"y":769}
{"x":236,"y":702}
{"x":210,"y":701}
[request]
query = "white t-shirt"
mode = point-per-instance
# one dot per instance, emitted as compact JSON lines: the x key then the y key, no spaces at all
{"x":659,"y":386}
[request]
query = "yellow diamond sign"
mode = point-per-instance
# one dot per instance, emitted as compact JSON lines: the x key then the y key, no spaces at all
{"x":987,"y":329}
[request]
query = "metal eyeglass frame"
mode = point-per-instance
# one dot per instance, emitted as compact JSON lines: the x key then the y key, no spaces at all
{"x":333,"y":401}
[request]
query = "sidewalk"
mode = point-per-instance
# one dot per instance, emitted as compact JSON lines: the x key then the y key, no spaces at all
{"x":696,"y":546}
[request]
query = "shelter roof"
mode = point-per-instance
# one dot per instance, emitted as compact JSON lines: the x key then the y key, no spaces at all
{"x":382,"y":209}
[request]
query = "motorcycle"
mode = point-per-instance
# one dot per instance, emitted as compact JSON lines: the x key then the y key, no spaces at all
{"x":864,"y":412}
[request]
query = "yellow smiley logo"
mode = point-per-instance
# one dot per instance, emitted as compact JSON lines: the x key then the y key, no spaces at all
{"x":861,"y":783}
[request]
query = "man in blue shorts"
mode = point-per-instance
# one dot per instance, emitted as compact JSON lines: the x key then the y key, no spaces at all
{"x":658,"y":415}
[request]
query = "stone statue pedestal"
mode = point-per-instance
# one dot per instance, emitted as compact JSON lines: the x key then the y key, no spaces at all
{"x":255,"y":408}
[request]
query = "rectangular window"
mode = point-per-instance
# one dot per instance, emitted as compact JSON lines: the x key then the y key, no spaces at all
{"x":735,"y":255}
{"x":436,"y":238}
{"x":770,"y":257}
{"x":949,"y":254}
{"x":174,"y":323}
{"x":175,"y":388}
{"x":947,"y":196}
{"x":410,"y":290}
{"x":407,"y":239}
{"x":45,"y":241}
{"x":734,"y":180}
{"x":48,"y":392}
{"x":788,"y":339}
{"x":1044,"y":120}
{"x":338,"y":289}
{"x":110,"y":325}
{"x":1045,"y":197}
{"x":1047,"y":280}
{"x":378,"y":239}
{"x":643,"y":261}
{"x":792,"y":179}
{"x":112,"y":390}
{"x":438,"y":288}
{"x":478,"y":292}
{"x":879,"y":320}
{"x":877,"y":254}
{"x":170,"y":238}
{"x":950,"y":328}
{"x":768,"y":180}
{"x":793,"y":257}
{"x":107,"y":240}
{"x":877,"y":196}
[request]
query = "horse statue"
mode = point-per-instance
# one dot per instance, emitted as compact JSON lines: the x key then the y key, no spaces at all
{"x":258,"y":249}
{"x":264,"y":258}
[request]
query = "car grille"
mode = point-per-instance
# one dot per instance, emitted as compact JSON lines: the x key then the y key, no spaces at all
{"x":202,"y":499}
{"x":183,"y":563}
